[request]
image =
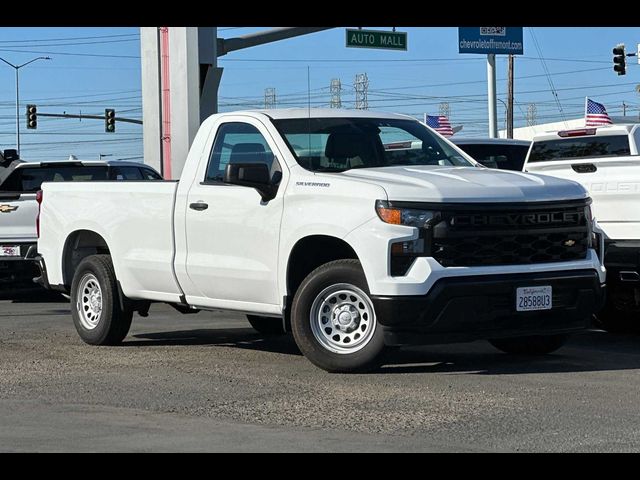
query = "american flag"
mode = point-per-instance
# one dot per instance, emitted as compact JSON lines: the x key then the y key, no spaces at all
{"x":596,"y":114}
{"x":440,"y":124}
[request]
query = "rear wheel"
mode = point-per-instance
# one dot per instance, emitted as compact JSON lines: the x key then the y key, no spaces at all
{"x":266,"y":325}
{"x":334,"y":321}
{"x":533,"y":345}
{"x":95,"y":303}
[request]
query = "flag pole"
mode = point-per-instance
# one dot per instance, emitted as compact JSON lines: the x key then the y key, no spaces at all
{"x":586,"y":100}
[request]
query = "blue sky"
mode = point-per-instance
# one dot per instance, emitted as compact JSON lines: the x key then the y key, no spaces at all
{"x":97,"y":68}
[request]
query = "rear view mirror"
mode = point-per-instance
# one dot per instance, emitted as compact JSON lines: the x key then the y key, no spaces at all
{"x":255,"y":175}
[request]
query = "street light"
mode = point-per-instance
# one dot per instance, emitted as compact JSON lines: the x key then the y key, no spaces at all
{"x":18,"y":67}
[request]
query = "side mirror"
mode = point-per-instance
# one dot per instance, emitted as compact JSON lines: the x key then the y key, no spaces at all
{"x":255,"y":175}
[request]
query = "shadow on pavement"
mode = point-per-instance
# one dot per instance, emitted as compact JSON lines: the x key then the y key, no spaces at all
{"x":31,"y":295}
{"x":591,"y":351}
{"x":231,"y":337}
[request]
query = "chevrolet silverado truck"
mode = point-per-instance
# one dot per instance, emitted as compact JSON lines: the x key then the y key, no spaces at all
{"x":19,"y":208}
{"x":606,"y":161}
{"x":320,"y":222}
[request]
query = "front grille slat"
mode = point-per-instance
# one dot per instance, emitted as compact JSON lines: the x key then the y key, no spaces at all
{"x":461,"y":244}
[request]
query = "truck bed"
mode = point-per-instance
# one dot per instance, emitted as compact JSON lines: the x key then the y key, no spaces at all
{"x":139,"y":212}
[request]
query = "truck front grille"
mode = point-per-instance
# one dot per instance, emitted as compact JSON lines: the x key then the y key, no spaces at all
{"x":492,"y":235}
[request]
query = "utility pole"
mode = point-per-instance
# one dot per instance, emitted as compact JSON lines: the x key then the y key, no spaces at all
{"x":624,"y":109}
{"x":444,"y":109}
{"x":336,"y":89}
{"x":269,"y":98}
{"x":491,"y":91}
{"x":531,"y":114}
{"x":510,"y":99}
{"x":362,"y":86}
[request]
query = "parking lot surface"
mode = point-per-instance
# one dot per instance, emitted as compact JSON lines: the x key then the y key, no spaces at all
{"x":208,"y":382}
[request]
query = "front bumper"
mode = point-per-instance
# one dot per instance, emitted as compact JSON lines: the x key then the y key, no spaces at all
{"x":481,"y":307}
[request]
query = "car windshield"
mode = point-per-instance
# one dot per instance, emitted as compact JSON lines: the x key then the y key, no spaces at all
{"x":339,"y":144}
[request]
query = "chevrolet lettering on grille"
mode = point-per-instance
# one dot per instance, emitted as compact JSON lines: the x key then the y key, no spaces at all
{"x":515,"y":219}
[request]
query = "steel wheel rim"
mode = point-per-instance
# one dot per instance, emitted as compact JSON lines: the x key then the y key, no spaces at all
{"x":89,"y":302}
{"x":342,"y":319}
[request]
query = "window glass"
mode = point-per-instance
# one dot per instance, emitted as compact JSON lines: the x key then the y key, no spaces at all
{"x":149,"y":174}
{"x":580,"y":147}
{"x":126,"y":173}
{"x":237,"y":143}
{"x":30,"y":179}
{"x":505,"y":157}
{"x":338,"y":144}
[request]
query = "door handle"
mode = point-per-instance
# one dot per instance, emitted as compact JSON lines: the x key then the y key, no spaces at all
{"x":199,"y":206}
{"x":584,"y":167}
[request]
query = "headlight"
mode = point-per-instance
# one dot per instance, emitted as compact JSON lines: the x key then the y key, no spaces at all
{"x":403,"y":253}
{"x":405,"y":216}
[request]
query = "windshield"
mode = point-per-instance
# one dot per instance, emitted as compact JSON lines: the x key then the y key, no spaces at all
{"x":580,"y":147}
{"x":339,"y":144}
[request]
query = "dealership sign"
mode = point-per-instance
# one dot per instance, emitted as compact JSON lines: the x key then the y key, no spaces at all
{"x":496,"y":40}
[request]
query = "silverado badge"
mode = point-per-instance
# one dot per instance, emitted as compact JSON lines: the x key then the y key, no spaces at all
{"x":7,"y":208}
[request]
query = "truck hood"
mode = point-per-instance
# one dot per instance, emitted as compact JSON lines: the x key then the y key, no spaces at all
{"x":467,"y":184}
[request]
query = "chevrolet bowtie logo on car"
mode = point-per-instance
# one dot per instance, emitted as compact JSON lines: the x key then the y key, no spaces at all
{"x":569,"y":243}
{"x":7,"y":208}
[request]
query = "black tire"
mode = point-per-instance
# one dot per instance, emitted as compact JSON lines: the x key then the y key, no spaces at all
{"x":615,"y":320}
{"x":333,"y":273}
{"x":113,"y":322}
{"x":266,"y":325}
{"x":533,"y":345}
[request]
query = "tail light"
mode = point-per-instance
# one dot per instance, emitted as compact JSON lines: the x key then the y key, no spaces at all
{"x":577,"y":133}
{"x":39,"y":200}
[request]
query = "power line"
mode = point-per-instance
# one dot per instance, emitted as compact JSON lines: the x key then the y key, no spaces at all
{"x":71,"y":38}
{"x":71,"y":54}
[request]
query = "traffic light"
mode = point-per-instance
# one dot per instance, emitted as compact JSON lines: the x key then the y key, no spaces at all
{"x":109,"y":120}
{"x":619,"y":60}
{"x":32,"y":117}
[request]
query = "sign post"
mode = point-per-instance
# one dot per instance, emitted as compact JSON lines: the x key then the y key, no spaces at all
{"x":491,"y":41}
{"x":357,"y":38}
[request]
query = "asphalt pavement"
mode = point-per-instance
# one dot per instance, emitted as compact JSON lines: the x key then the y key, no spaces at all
{"x":208,"y":382}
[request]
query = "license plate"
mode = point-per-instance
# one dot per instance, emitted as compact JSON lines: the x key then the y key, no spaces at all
{"x":7,"y":251}
{"x":533,"y":298}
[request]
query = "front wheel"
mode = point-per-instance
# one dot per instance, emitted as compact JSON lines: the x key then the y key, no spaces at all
{"x":95,"y":303}
{"x":334,"y":321}
{"x":533,"y":345}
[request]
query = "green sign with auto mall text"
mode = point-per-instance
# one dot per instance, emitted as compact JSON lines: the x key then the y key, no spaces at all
{"x":376,"y":39}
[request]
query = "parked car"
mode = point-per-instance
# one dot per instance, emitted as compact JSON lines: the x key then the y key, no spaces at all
{"x":19,"y":208}
{"x":305,"y":221}
{"x":606,"y":161}
{"x":503,"y":153}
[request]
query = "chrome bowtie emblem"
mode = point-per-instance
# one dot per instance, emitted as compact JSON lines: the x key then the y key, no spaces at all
{"x":569,"y":243}
{"x":7,"y":208}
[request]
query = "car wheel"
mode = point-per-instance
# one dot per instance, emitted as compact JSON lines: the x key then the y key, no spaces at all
{"x":95,"y":303}
{"x":334,"y":321}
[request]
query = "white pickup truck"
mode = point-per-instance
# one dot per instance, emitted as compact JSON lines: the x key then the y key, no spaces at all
{"x":606,"y":161}
{"x":356,"y":230}
{"x":19,"y":208}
